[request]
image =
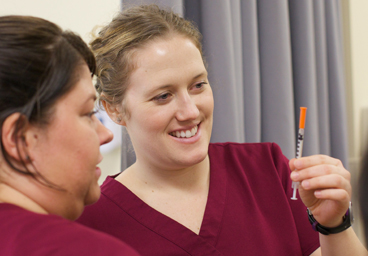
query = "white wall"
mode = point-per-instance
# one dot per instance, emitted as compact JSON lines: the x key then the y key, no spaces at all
{"x":80,"y":16}
{"x":355,"y":25}
{"x":359,"y":67}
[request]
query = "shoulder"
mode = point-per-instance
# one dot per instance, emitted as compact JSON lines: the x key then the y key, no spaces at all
{"x":263,"y":149}
{"x":260,"y":159}
{"x":86,"y":241}
{"x":258,"y":145}
{"x":55,"y":236}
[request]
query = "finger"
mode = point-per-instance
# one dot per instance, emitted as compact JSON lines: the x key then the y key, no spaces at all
{"x":332,"y":181}
{"x":320,"y":170}
{"x":339,"y":195}
{"x":291,"y":164}
{"x":305,"y":162}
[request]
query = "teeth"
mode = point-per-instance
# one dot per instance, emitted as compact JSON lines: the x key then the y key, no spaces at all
{"x":185,"y":134}
{"x":188,"y":134}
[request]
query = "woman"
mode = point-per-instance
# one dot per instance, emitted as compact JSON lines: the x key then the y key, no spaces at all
{"x":183,"y":195}
{"x":50,"y":142}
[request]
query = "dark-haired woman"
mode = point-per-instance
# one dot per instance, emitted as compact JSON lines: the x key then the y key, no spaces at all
{"x":50,"y":142}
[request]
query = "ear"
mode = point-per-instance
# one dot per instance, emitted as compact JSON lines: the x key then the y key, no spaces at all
{"x":114,"y":112}
{"x":14,"y":140}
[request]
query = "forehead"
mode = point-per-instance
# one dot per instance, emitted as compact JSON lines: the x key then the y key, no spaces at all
{"x":165,"y":58}
{"x":82,"y":91}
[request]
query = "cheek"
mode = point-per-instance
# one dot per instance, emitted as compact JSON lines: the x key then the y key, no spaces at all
{"x":210,"y":105}
{"x":210,"y":99}
{"x":150,"y":120}
{"x":206,"y":104}
{"x":83,"y":154}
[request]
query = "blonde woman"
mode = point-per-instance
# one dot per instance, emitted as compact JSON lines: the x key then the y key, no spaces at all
{"x":185,"y":195}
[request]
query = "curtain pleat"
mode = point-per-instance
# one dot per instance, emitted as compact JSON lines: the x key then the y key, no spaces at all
{"x":251,"y":71}
{"x":276,"y":75}
{"x":304,"y":70}
{"x":224,"y":75}
{"x":336,"y":82}
{"x":322,"y":77}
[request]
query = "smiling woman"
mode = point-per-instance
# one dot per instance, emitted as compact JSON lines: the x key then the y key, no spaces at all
{"x":50,"y":142}
{"x":167,"y":93}
{"x":185,"y":195}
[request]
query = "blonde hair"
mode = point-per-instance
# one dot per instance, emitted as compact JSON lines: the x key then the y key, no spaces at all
{"x":130,"y":30}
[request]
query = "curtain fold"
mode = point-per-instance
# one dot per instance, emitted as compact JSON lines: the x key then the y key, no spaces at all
{"x":336,"y":85}
{"x":322,"y":77}
{"x":305,"y":70}
{"x":277,"y":101}
{"x":251,"y":71}
{"x":265,"y":60}
{"x":224,"y":57}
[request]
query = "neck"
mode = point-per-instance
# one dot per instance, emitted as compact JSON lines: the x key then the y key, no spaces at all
{"x":12,"y":196}
{"x":190,"y":178}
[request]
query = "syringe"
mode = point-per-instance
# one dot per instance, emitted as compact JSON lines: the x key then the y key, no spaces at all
{"x":299,"y":147}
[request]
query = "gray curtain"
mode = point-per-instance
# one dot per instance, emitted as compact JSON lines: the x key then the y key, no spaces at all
{"x":266,"y":59}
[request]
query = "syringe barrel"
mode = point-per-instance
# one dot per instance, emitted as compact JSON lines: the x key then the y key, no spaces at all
{"x":299,"y":147}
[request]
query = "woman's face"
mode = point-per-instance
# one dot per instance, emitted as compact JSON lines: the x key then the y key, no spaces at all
{"x":67,"y":151}
{"x":169,"y":103}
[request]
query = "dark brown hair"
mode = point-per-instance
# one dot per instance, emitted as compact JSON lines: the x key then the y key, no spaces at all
{"x":39,"y":63}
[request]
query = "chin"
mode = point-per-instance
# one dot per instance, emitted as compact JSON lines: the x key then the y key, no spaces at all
{"x":93,"y":197}
{"x":194,"y":159}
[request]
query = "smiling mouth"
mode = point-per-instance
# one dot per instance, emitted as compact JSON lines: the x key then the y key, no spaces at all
{"x":185,"y":133}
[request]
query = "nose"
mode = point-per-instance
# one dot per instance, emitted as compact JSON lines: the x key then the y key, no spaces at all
{"x":187,"y":109}
{"x":104,"y":134}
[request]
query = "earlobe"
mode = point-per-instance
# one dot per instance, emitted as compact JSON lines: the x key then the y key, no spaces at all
{"x":114,"y":113}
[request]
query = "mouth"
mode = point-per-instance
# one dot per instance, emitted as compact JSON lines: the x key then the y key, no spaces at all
{"x":185,"y":133}
{"x":98,"y":171}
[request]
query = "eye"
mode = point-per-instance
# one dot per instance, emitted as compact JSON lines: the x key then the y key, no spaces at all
{"x":199,"y":86}
{"x":162,"y":98}
{"x":92,"y":113}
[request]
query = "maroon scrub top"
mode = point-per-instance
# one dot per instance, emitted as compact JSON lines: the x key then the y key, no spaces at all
{"x":248,"y":211}
{"x":27,"y":233}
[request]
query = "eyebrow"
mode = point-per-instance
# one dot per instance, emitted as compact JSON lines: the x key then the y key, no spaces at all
{"x":204,"y":73}
{"x":91,"y":96}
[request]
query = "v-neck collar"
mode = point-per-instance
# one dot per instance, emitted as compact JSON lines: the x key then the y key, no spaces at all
{"x":215,"y":202}
{"x":170,"y":229}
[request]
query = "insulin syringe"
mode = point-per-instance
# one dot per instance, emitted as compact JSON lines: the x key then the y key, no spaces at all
{"x":299,"y":147}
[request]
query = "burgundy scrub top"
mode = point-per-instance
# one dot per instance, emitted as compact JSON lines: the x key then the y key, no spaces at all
{"x":27,"y":233}
{"x":248,"y":211}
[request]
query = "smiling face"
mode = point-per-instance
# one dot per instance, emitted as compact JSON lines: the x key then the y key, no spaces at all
{"x":67,"y":150}
{"x":169,"y":104}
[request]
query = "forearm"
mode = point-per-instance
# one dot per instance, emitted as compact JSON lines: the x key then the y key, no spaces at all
{"x":344,"y":243}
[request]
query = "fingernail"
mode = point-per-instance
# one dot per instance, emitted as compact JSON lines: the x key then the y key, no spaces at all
{"x":294,"y":175}
{"x":317,"y":193}
{"x":305,"y":184}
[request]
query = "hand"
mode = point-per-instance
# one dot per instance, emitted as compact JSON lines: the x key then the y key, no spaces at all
{"x":324,"y":187}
